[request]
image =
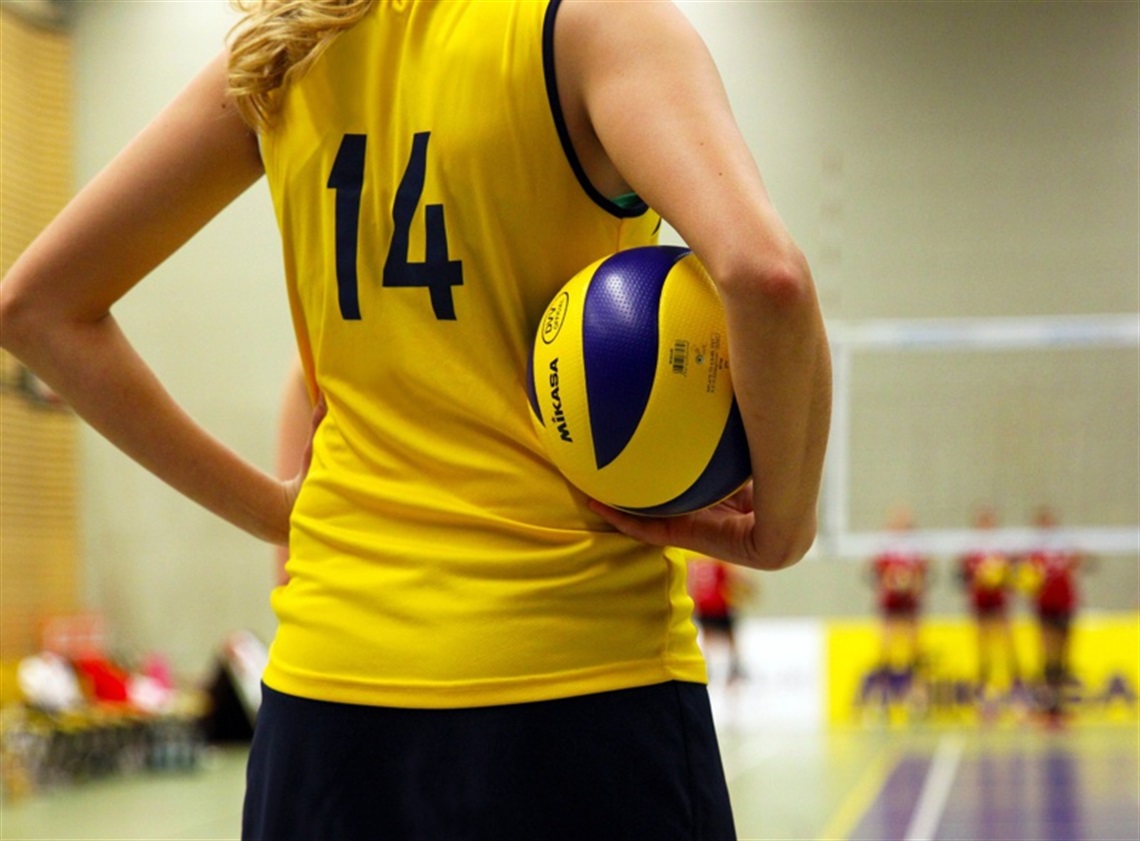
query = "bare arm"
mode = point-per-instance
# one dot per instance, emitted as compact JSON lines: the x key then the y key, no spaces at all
{"x":647,"y":109}
{"x":294,"y":435}
{"x":55,"y":303}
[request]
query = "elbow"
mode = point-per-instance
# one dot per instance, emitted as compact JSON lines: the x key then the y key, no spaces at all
{"x":17,"y":319}
{"x":779,"y":280}
{"x":34,"y":315}
{"x":786,"y":549}
{"x":798,"y":550}
{"x":29,"y":320}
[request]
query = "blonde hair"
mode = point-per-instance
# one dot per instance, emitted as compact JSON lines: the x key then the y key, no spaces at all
{"x":277,"y":40}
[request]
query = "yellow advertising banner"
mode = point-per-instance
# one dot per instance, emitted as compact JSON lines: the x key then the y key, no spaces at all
{"x":870,"y":677}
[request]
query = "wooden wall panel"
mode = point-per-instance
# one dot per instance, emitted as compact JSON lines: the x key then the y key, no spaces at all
{"x":39,"y":545}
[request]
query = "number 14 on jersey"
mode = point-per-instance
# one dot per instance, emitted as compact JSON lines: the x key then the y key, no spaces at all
{"x":437,"y":273}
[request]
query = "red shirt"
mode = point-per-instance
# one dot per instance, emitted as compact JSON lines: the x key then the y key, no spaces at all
{"x":899,"y":576}
{"x":1054,"y":571}
{"x":988,"y":576}
{"x":709,"y":587}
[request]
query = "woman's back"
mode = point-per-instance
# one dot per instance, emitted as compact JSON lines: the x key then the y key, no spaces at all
{"x":430,"y":209}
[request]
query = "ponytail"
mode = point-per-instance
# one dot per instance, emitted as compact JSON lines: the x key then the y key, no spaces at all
{"x":275,"y":41}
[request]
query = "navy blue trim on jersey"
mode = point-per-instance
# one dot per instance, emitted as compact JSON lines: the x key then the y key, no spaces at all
{"x":600,"y":200}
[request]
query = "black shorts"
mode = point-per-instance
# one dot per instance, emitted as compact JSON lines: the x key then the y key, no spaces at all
{"x":633,"y":764}
{"x":1059,"y":619}
{"x":725,"y":623}
{"x":990,"y":611}
{"x":906,"y":610}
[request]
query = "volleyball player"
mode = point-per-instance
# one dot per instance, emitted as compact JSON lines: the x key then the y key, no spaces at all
{"x":467,"y":648}
{"x":900,"y":576}
{"x":987,"y":575}
{"x":1049,"y":573}
{"x":716,"y":589}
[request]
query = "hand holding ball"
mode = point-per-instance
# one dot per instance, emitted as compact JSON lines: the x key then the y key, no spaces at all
{"x":630,"y":388}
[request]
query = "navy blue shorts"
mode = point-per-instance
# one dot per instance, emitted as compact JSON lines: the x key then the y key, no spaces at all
{"x":1058,"y":619}
{"x":633,"y":764}
{"x":725,"y":623}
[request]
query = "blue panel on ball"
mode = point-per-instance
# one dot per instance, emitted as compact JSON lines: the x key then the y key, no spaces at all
{"x":530,"y":392}
{"x":728,"y":469}
{"x":619,"y":342}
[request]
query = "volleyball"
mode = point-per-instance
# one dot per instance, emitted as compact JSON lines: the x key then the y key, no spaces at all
{"x":630,"y":388}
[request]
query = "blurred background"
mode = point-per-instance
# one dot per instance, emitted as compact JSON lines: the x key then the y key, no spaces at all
{"x":965,"y":181}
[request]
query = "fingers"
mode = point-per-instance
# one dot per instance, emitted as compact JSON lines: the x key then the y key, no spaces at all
{"x":292,"y":487}
{"x":320,"y":409}
{"x":741,"y":500}
{"x":646,"y":529}
{"x":724,"y":531}
{"x":716,"y":532}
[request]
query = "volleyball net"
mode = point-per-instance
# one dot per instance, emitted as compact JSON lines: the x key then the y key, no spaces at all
{"x":943,"y":415}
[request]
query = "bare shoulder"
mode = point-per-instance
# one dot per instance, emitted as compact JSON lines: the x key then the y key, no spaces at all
{"x":652,"y":17}
{"x":207,"y":100}
{"x":614,"y":62}
{"x":605,"y":31}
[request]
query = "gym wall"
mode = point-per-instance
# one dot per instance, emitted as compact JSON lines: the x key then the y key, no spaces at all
{"x":949,"y":160}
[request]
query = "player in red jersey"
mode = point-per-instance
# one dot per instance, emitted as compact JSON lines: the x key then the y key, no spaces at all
{"x":900,"y":576}
{"x":986,"y":573}
{"x":1049,"y":574}
{"x":716,"y":588}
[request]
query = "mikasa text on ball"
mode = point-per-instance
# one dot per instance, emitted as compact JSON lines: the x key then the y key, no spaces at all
{"x":630,"y":387}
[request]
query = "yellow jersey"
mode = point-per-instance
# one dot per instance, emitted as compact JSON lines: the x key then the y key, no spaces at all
{"x":430,"y":206}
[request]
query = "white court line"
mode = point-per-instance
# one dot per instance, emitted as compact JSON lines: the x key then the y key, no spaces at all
{"x":936,"y":790}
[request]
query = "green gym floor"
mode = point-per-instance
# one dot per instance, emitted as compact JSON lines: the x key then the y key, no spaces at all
{"x":1021,"y":782}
